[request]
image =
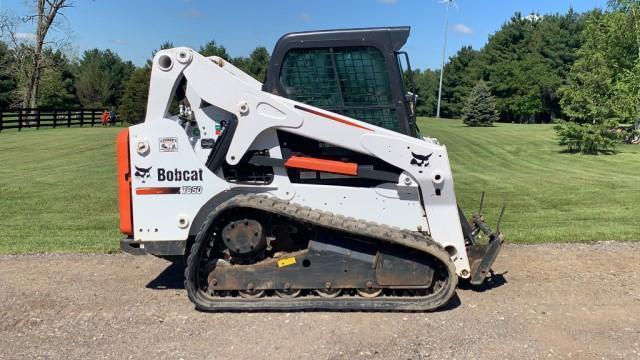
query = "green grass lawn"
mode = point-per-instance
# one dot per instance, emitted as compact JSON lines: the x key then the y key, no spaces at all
{"x":550,"y":196}
{"x":58,"y":186}
{"x":58,"y":190}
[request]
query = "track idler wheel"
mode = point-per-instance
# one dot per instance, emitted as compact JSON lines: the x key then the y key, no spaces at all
{"x":369,"y":293}
{"x":251,"y":294}
{"x":288,"y":294}
{"x":328,"y":293}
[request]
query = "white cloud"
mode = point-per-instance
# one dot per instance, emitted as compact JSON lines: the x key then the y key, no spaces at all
{"x":304,"y":16}
{"x":387,"y":2}
{"x":462,"y":29}
{"x":25,"y":36}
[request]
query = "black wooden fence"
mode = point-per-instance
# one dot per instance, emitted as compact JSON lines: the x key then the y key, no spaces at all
{"x":52,"y":118}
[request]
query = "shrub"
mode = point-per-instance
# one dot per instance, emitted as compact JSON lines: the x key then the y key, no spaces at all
{"x":480,"y":109}
{"x":588,"y":139}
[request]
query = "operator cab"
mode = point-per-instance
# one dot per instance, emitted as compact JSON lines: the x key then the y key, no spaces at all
{"x":354,"y":72}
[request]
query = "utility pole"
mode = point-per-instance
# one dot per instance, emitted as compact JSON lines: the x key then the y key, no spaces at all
{"x":444,"y":49}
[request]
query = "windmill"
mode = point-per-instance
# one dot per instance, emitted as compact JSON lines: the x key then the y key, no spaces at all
{"x":444,"y":49}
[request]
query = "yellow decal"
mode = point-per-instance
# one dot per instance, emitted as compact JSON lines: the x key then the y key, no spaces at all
{"x":286,"y":262}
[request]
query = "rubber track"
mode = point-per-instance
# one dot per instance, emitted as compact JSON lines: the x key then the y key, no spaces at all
{"x":415,"y":240}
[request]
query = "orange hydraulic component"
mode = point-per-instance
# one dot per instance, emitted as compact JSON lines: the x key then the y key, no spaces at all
{"x":330,"y":166}
{"x":124,"y":182}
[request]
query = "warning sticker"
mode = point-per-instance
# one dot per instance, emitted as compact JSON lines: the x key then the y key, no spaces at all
{"x":168,"y":144}
{"x":286,"y":262}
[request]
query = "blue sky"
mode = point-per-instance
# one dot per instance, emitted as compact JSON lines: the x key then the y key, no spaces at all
{"x":133,"y":28}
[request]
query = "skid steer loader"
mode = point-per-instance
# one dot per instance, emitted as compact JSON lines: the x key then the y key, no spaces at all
{"x":312,"y":190}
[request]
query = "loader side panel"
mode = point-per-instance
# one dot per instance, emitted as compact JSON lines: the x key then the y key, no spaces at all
{"x":124,"y":182}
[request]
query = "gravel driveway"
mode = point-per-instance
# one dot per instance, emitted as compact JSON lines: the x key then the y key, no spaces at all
{"x":547,"y":301}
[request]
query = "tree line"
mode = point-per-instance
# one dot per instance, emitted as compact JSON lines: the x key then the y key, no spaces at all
{"x":97,"y":79}
{"x":37,"y":70}
{"x":582,"y":67}
{"x":524,"y":64}
{"x":539,"y":68}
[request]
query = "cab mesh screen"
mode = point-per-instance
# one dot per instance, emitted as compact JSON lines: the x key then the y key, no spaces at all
{"x":307,"y":76}
{"x":385,"y":118}
{"x":351,"y":81}
{"x":363,"y":76}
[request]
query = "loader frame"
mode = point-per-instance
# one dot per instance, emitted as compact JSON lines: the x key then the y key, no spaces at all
{"x":423,"y":198}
